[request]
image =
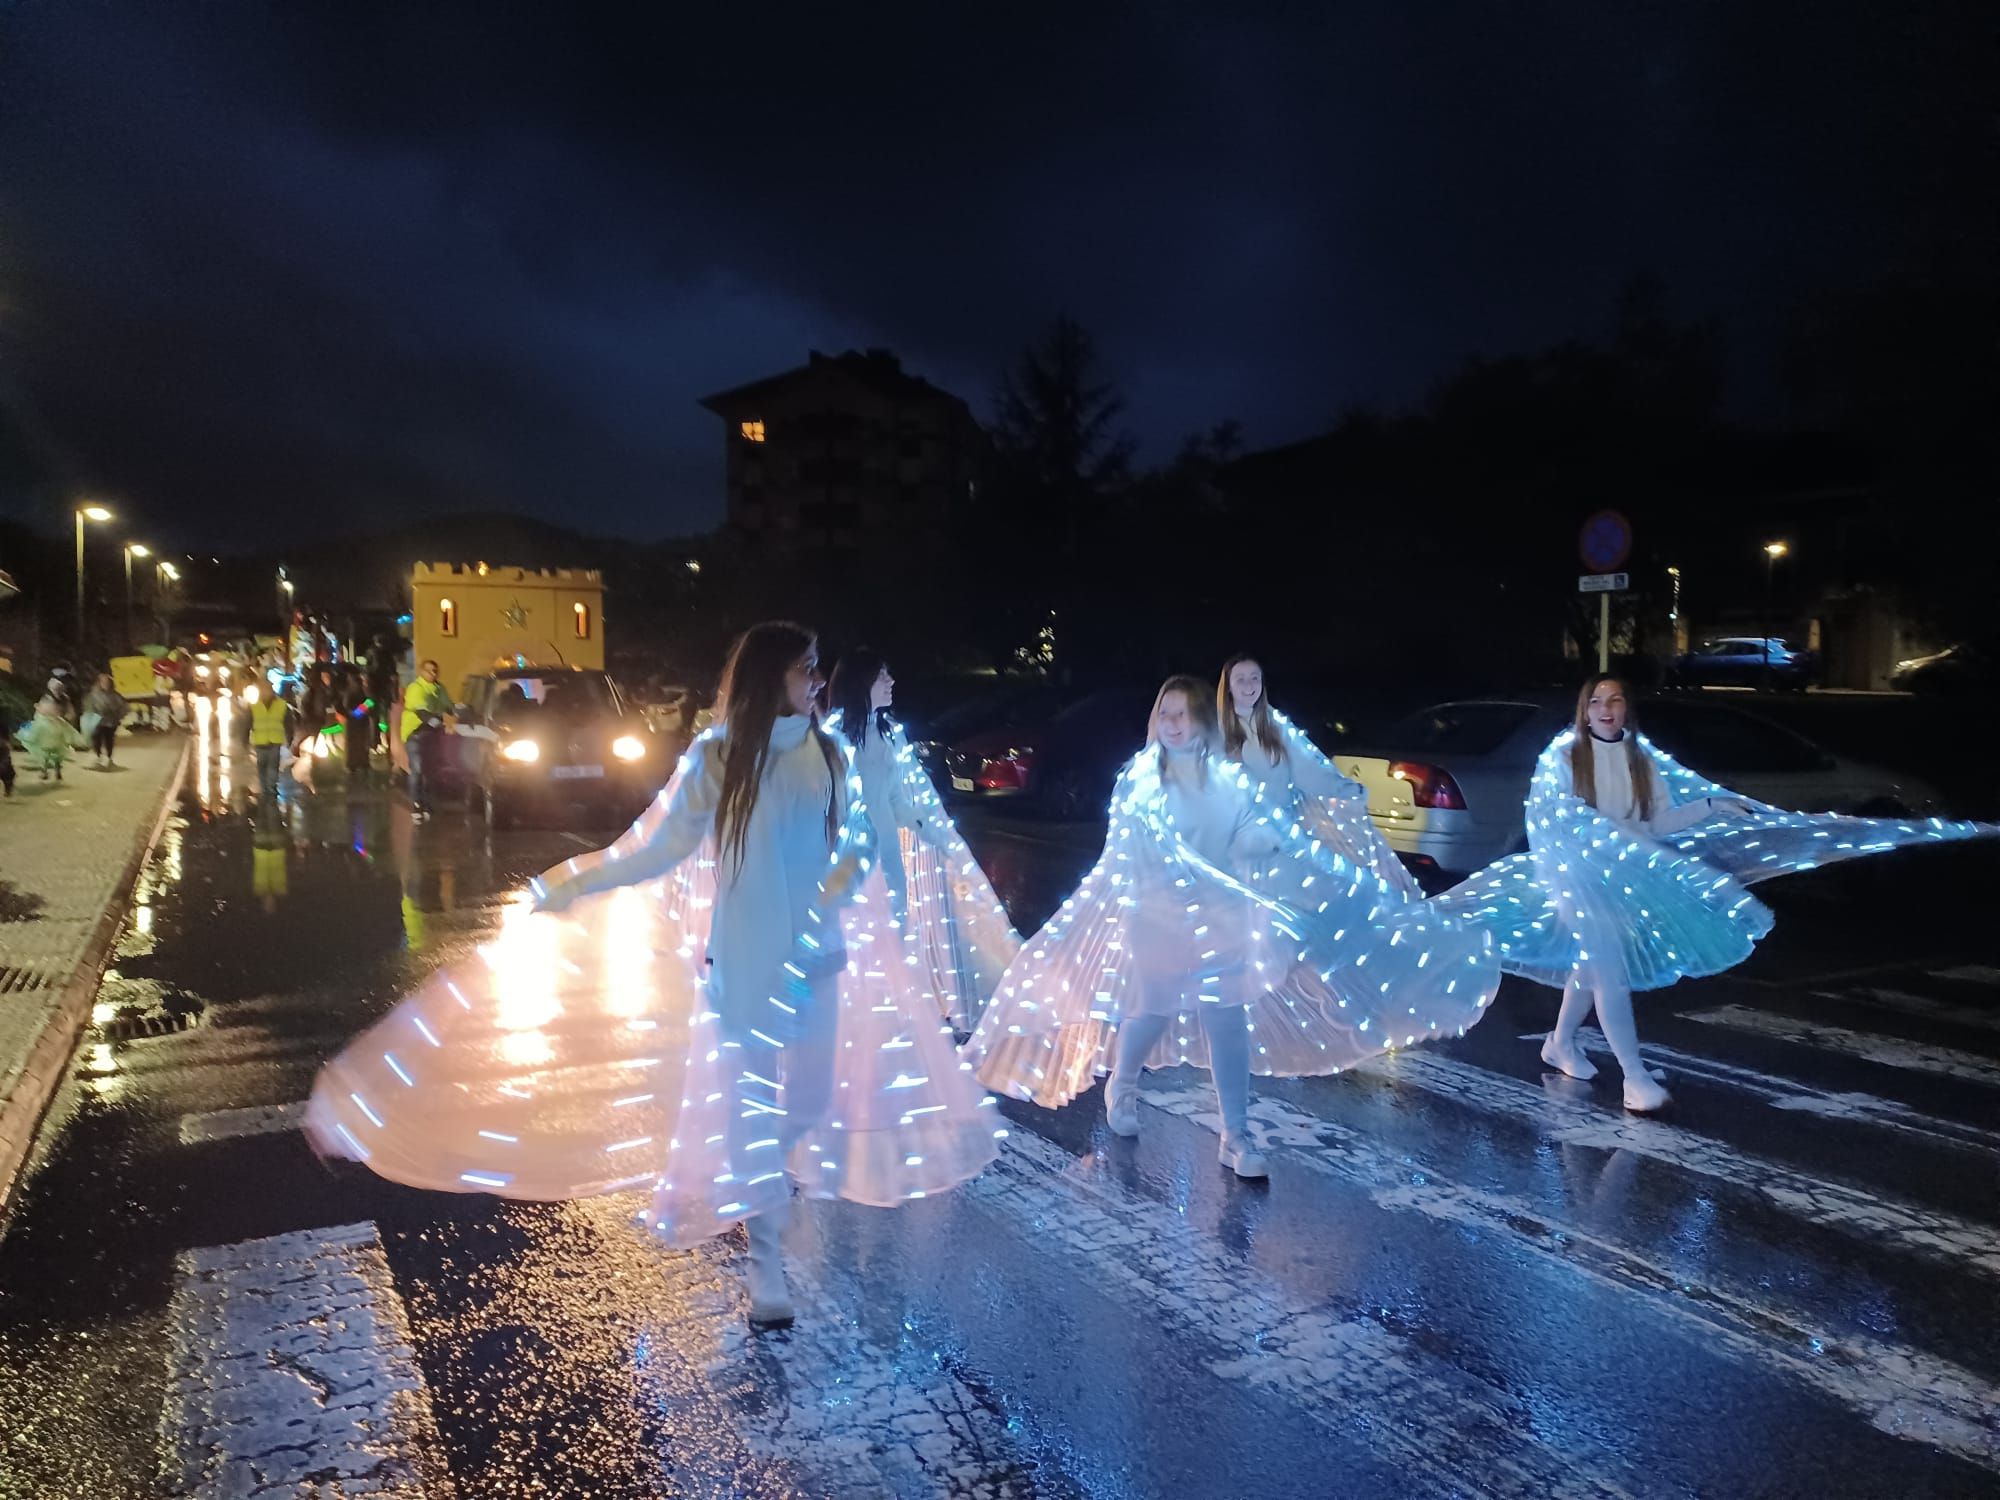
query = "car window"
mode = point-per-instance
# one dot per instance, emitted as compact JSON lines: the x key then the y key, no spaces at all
{"x":569,"y":695}
{"x":1461,"y":728}
{"x":1721,"y":741}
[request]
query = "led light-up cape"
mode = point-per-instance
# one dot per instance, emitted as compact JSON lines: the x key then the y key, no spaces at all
{"x":1332,"y":964}
{"x":1671,"y":902}
{"x":955,"y":924}
{"x":1331,"y":807}
{"x":595,"y":1050}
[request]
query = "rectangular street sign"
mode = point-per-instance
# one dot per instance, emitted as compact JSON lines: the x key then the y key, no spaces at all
{"x":1603,"y":583}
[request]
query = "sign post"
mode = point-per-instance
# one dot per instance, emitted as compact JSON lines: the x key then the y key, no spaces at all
{"x":1604,"y":544}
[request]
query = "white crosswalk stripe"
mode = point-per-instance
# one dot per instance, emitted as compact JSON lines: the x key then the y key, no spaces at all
{"x":290,"y":1372}
{"x":1929,"y":1007}
{"x":1930,"y":1234}
{"x":1899,"y":1389}
{"x":1802,"y":1098}
{"x":1343,"y":1367}
{"x":228,"y":1124}
{"x":1894,"y":1052}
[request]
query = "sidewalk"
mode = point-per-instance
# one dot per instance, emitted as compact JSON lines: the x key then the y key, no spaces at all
{"x":69,"y":852}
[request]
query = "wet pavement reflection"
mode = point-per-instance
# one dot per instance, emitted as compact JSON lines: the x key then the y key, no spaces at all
{"x":1465,"y":1276}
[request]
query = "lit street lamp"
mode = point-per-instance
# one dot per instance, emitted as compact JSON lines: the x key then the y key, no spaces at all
{"x":1772,"y":552}
{"x":132,"y":550}
{"x":84,"y":513}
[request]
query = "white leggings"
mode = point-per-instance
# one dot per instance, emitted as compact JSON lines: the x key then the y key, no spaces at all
{"x":1612,"y":998}
{"x":796,"y":1079}
{"x":1227,"y":1032}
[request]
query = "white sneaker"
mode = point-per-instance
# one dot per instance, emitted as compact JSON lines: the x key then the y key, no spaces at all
{"x":1643,"y":1094}
{"x":1242,"y":1157}
{"x":1568,"y":1059}
{"x":1121,"y":1111}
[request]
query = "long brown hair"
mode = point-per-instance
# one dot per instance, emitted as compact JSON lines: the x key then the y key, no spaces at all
{"x":1199,"y":709}
{"x":1583,"y":761}
{"x":752,"y":693}
{"x":1234,"y":731}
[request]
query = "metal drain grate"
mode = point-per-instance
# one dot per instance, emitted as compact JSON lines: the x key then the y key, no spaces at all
{"x":152,"y":1023}
{"x":20,"y":979}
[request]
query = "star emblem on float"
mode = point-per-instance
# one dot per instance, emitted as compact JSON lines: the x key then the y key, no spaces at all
{"x":516,"y":615}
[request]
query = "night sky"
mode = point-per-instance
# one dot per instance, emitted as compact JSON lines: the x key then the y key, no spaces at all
{"x":266,"y":270}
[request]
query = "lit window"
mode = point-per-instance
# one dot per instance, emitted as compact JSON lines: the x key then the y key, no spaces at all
{"x":582,"y":620}
{"x":447,"y":617}
{"x":753,"y":432}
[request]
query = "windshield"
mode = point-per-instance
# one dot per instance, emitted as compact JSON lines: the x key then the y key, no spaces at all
{"x":569,"y":695}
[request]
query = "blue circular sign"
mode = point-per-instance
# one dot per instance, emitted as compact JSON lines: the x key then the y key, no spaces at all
{"x":1605,"y":542}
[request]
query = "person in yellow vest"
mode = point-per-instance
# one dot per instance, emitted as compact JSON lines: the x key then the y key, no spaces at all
{"x":270,"y":729}
{"x":426,"y":705}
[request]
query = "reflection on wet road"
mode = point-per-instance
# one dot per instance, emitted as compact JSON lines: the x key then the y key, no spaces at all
{"x":1464,"y":1277}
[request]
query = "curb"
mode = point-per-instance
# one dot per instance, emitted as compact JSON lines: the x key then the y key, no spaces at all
{"x":49,"y":1058}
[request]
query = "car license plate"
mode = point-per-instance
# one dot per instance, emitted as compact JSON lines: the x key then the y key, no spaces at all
{"x":961,"y":783}
{"x":576,"y":773}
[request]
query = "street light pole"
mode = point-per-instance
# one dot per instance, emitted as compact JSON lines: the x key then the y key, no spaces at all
{"x":1772,"y":552}
{"x":132,"y":550}
{"x":84,"y":513}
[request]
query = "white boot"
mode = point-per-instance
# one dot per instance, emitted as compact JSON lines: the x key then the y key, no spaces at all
{"x":1643,"y":1093}
{"x":1121,"y":1108}
{"x":764,"y":1272}
{"x":1240,"y":1154}
{"x":1560,"y":1050}
{"x":1227,"y":1031}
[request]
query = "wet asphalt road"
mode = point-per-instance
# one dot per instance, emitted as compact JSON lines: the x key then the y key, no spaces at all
{"x":1464,"y":1277}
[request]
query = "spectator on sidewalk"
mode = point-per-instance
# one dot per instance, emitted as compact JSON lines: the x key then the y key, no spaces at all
{"x":425,"y":707}
{"x":50,"y":737}
{"x":270,"y":730}
{"x":103,"y":711}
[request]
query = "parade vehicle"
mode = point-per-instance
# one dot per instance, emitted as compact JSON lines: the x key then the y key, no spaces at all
{"x":542,"y":739}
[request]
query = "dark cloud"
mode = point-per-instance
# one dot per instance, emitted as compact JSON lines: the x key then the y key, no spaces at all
{"x":265,"y":265}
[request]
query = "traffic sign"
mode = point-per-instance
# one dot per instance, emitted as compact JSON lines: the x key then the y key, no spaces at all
{"x":1605,"y":541}
{"x":1604,"y":583}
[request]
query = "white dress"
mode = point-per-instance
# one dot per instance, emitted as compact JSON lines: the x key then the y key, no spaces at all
{"x":1203,"y":897}
{"x":1332,"y":807}
{"x":959,"y":937}
{"x":1651,"y":901}
{"x":680,"y":1025}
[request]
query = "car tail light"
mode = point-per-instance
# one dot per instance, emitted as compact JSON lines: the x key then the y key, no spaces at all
{"x":1005,"y":773}
{"x":1430,"y":786}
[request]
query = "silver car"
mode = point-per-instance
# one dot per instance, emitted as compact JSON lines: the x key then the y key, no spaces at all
{"x":1447,"y":785}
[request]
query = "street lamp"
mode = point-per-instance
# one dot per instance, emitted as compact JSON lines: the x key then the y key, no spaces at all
{"x":84,"y":513}
{"x":1772,"y":552}
{"x":132,"y":550}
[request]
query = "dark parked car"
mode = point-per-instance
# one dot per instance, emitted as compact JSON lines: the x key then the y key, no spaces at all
{"x":988,"y":703}
{"x":1745,"y":661}
{"x":1061,"y":764}
{"x":1954,"y":671}
{"x":547,"y":737}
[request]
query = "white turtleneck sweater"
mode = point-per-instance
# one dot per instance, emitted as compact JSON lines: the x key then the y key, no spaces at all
{"x":1618,"y":798}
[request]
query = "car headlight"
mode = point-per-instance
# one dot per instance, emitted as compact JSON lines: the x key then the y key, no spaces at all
{"x":629,"y":747}
{"x":527,"y":752}
{"x":202,"y":673}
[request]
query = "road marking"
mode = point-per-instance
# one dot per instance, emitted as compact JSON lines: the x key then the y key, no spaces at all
{"x":1972,"y":973}
{"x":290,"y":1373}
{"x":1790,"y":1094}
{"x":1985,"y":1017}
{"x":1899,"y":1390}
{"x":1909,"y":1228}
{"x":1339,"y":1365}
{"x":1894,"y":1052}
{"x":227,"y":1124}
